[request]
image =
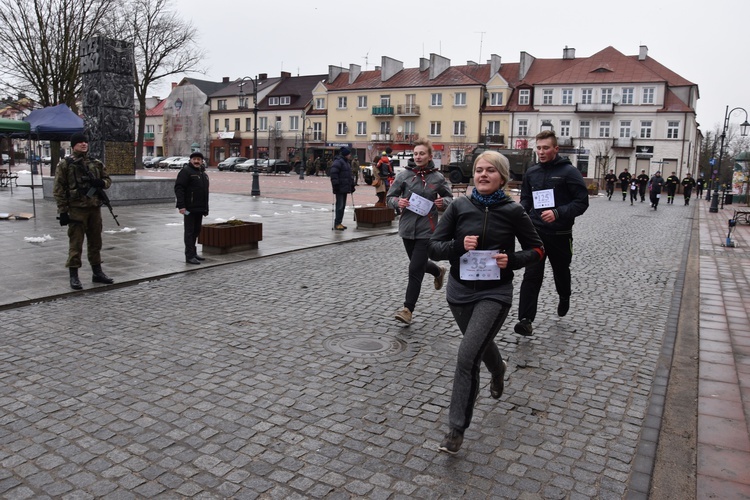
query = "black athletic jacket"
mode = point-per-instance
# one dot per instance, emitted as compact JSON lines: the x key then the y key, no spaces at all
{"x":571,"y":195}
{"x":497,"y":226}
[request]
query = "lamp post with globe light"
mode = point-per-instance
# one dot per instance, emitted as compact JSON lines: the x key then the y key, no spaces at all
{"x":255,"y":191}
{"x":743,"y":131}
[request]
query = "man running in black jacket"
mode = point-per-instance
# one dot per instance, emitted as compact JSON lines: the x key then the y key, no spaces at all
{"x":553,"y":193}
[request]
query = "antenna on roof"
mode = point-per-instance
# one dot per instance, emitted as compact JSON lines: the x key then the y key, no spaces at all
{"x":481,"y":39}
{"x":365,"y":57}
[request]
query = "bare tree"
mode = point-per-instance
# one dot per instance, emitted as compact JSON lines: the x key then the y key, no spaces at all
{"x":39,"y":41}
{"x":164,"y":45}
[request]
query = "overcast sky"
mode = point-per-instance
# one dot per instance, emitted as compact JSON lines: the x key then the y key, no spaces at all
{"x":704,"y":42}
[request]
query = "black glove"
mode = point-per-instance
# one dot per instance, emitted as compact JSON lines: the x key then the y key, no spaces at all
{"x":96,"y":183}
{"x":64,"y":219}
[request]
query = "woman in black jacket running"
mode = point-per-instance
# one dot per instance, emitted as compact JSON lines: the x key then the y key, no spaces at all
{"x":478,"y":236}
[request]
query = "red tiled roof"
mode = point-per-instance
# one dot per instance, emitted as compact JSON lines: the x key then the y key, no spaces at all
{"x":609,"y":65}
{"x":673,"y":104}
{"x":157,"y":110}
{"x":411,"y":77}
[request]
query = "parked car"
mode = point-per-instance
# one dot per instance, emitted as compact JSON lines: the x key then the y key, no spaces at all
{"x":152,"y":161}
{"x":231,"y":162}
{"x":165,"y":162}
{"x":247,"y":165}
{"x":46,"y":160}
{"x":273,"y":166}
{"x":179,"y":162}
{"x":6,"y":159}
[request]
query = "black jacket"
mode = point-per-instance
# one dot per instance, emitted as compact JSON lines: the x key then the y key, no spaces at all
{"x":571,"y":195}
{"x":191,"y":189}
{"x":498,"y":226}
{"x":341,"y":176}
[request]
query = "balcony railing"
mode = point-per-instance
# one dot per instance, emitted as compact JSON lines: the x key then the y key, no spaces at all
{"x":148,"y":136}
{"x":623,"y":142}
{"x":381,"y":137}
{"x":382,"y":110}
{"x":402,"y":137}
{"x":492,"y":139}
{"x":564,"y":141}
{"x":595,"y":108}
{"x":407,"y":109}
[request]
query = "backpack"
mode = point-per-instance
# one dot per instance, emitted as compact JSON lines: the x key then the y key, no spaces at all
{"x":367,"y":175}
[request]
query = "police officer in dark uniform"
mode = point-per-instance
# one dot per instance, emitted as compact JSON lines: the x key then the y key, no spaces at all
{"x":642,"y":184}
{"x":79,"y":180}
{"x":688,"y":183}
{"x":610,"y":180}
{"x":191,"y":191}
{"x":671,"y":184}
{"x":624,"y":182}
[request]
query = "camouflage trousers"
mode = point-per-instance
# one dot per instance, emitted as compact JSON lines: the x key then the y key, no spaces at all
{"x":84,"y":223}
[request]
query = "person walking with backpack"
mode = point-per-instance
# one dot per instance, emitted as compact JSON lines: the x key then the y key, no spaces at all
{"x":419,"y":192}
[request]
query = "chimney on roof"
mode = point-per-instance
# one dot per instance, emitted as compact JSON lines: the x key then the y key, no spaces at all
{"x":286,"y":74}
{"x":424,"y":63}
{"x":642,"y":53}
{"x":525,"y":65}
{"x":471,"y":63}
{"x":262,"y":76}
{"x":225,"y":79}
{"x":569,"y":53}
{"x":377,"y":68}
{"x":495,"y":64}
{"x":391,"y":67}
{"x":174,"y":84}
{"x":354,"y":71}
{"x":438,"y":65}
{"x":334,"y":72}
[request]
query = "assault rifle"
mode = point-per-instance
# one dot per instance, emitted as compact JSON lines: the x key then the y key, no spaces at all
{"x":104,"y":199}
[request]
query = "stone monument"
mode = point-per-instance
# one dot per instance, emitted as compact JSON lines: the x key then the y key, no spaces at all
{"x":107,"y":72}
{"x":107,"y":69}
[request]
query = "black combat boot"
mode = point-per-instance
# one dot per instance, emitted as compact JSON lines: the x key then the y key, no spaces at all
{"x":100,"y":277}
{"x":75,"y":283}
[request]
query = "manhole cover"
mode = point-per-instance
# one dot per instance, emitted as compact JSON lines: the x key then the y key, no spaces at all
{"x":365,"y":345}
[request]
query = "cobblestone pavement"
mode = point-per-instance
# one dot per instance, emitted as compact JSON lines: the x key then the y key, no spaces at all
{"x":287,"y":377}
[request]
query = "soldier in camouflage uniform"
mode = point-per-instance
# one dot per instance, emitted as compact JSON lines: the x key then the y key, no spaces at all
{"x":77,"y":180}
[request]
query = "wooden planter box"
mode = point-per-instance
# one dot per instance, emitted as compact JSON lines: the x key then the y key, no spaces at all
{"x":224,"y":237}
{"x":374,"y":216}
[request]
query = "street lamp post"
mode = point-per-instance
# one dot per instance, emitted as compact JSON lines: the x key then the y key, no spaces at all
{"x":743,"y":131}
{"x":302,"y":159}
{"x":255,"y":191}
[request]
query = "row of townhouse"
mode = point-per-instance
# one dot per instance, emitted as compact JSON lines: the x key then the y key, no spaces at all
{"x":609,"y":111}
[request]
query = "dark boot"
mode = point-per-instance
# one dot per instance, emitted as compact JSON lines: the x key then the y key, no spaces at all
{"x":99,"y":276}
{"x":75,"y":283}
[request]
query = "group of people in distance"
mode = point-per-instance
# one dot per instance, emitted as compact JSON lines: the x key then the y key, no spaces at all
{"x":477,"y":235}
{"x":638,"y":186}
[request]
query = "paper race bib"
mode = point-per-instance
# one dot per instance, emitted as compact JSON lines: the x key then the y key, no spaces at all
{"x":478,"y":265}
{"x":544,"y":198}
{"x":419,"y":204}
